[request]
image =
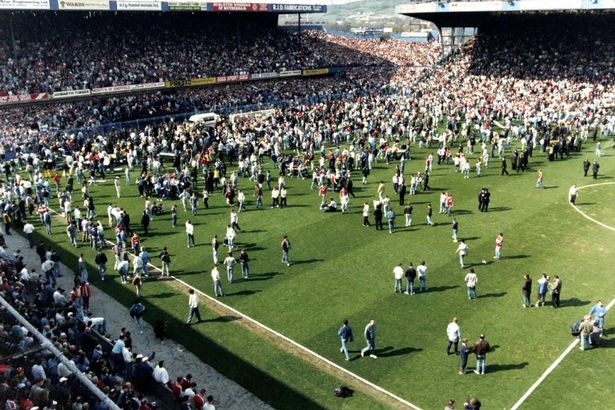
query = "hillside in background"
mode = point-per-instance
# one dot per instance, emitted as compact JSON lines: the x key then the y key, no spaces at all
{"x":371,"y":14}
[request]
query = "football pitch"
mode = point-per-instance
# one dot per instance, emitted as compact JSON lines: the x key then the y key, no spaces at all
{"x":343,"y":270}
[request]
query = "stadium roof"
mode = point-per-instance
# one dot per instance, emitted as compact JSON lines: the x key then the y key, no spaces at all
{"x":279,"y":7}
{"x":451,"y":13}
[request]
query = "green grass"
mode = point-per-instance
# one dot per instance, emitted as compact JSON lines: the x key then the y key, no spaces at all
{"x":343,"y":270}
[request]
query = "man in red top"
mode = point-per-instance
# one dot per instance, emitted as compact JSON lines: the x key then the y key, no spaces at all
{"x":199,"y":399}
{"x":135,"y":241}
{"x":86,"y":292}
{"x":322,"y":193}
{"x":176,"y":388}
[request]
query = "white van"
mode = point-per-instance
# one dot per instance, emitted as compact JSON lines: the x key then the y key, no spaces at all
{"x":209,"y":118}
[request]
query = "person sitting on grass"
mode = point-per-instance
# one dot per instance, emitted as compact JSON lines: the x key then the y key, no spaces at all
{"x":330,"y":207}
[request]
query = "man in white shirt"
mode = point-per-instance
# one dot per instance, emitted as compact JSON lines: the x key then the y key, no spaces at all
{"x":190,"y":233}
{"x":215,"y":276}
{"x":471,"y":280}
{"x":462,"y":250}
{"x":421,"y":271}
{"x":398,"y":273}
{"x":160,"y":374}
{"x":572,"y":194}
{"x":230,"y":262}
{"x":453,"y":332}
{"x":193,"y":304}
{"x":230,"y":237}
{"x":28,"y":229}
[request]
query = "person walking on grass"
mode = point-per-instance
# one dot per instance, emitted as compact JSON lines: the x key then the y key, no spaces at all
{"x":230,"y":262}
{"x":540,"y":179}
{"x":190,"y":233}
{"x":471,"y":280}
{"x":285,"y":245}
{"x":499,"y":243}
{"x":138,"y":283}
{"x":526,"y":290}
{"x":455,"y":229}
{"x":428,"y":220}
{"x":165,"y":258}
{"x":462,"y":250}
{"x":572,"y":194}
{"x":244,"y":260}
{"x":193,"y":305}
{"x":346,"y":336}
{"x":369,"y":333}
{"x":215,"y":276}
{"x":481,"y":348}
{"x":453,"y":332}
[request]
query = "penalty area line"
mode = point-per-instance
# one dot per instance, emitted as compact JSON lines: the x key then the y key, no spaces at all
{"x":550,"y":369}
{"x":583,"y":214}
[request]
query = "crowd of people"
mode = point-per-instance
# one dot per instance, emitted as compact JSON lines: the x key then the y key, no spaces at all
{"x":33,"y":375}
{"x":480,"y":99}
{"x":50,"y":52}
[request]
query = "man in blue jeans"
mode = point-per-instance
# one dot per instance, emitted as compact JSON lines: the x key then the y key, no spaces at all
{"x":370,"y":338}
{"x":345,"y":334}
{"x":480,"y":349}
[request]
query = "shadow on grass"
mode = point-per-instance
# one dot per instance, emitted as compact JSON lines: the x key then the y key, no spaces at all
{"x":586,"y":203}
{"x":243,"y":293}
{"x":516,"y":257}
{"x":462,"y":212}
{"x":492,"y":295}
{"x":399,"y":352}
{"x":574,"y":302}
{"x":222,"y":319}
{"x":551,"y":186}
{"x":493,"y":368}
{"x":471,"y":238}
{"x":500,"y":209}
{"x":163,"y":295}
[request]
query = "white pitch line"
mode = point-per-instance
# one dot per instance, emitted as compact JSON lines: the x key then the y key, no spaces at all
{"x":584,"y":215}
{"x":551,"y":368}
{"x":287,"y":339}
{"x":303,"y":348}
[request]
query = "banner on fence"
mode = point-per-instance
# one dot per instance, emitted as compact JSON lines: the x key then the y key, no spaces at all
{"x":316,"y":71}
{"x":71,"y":93}
{"x":22,"y":98}
{"x":263,"y":76}
{"x":290,"y":73}
{"x":232,"y":78}
{"x":128,"y":87}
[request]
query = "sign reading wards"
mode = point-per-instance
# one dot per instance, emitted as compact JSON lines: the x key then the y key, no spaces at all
{"x":25,"y":4}
{"x":83,"y":4}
